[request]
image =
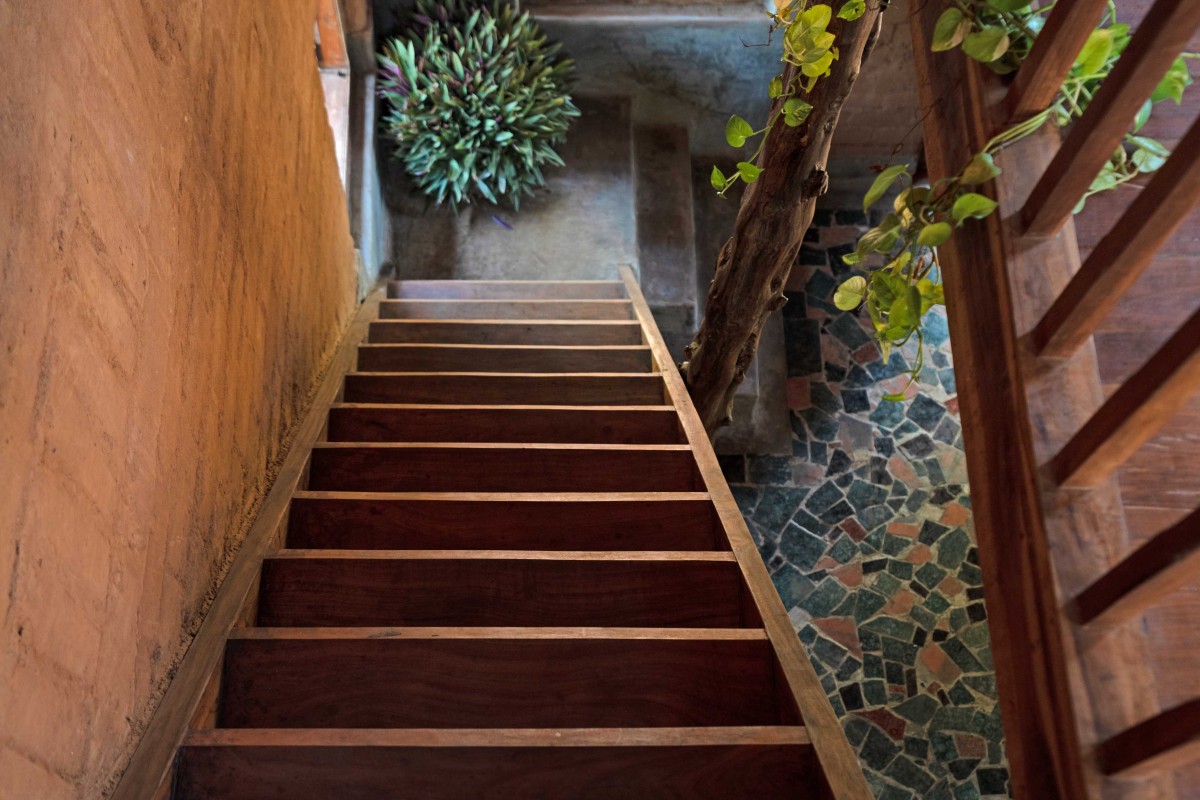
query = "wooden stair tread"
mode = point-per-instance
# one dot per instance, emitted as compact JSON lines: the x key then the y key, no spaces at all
{"x":505,"y":737}
{"x":505,"y":555}
{"x":505,"y":388}
{"x":499,"y":632}
{"x":521,"y":358}
{"x":506,"y":331}
{"x":505,"y":309}
{"x":505,"y":289}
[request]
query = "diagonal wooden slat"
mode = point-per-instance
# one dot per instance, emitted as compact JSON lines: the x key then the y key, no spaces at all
{"x":1037,"y":82}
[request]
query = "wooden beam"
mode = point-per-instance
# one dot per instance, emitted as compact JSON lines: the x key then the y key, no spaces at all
{"x":838,"y":762}
{"x":1134,"y":413}
{"x":331,"y":38}
{"x":1163,"y":34}
{"x":1160,"y":744}
{"x":1037,"y":82}
{"x":156,"y":750}
{"x":1122,"y":255}
{"x":1167,"y":562}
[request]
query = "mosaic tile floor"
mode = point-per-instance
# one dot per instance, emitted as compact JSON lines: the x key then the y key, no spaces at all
{"x":866,"y":530}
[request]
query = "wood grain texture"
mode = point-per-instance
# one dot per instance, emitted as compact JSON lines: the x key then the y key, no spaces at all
{"x":1121,"y":257}
{"x":1166,"y":563}
{"x":331,"y":49}
{"x":504,"y":309}
{"x":495,"y":388}
{"x":590,"y":521}
{"x":556,"y":332}
{"x":505,"y":290}
{"x":1161,"y":743}
{"x":518,"y":683}
{"x":1156,"y":43}
{"x":1135,"y":413}
{"x":503,"y":468}
{"x":152,"y":759}
{"x":375,"y":422}
{"x":1037,"y":82}
{"x":501,"y":358}
{"x":839,"y":765}
{"x":398,"y":588}
{"x":647,"y":765}
{"x":1026,"y":629}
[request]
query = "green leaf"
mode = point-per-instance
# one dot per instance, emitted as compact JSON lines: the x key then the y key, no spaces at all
{"x":1009,"y":5}
{"x":1173,"y":83}
{"x":987,"y":44}
{"x":932,"y":294}
{"x":972,"y":206}
{"x":1143,"y":115}
{"x":882,"y":183}
{"x":717,"y":179}
{"x":748,"y":171}
{"x":950,"y":29}
{"x":737,"y":131}
{"x":850,"y":294}
{"x":935,"y":234}
{"x":1150,"y":154}
{"x":981,"y":170}
{"x":852,"y":10}
{"x":775,"y":89}
{"x":818,"y":16}
{"x":894,"y":397}
{"x":1095,"y":51}
{"x":795,"y":111}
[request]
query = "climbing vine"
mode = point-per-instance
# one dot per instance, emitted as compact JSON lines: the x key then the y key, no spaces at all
{"x":899,"y":255}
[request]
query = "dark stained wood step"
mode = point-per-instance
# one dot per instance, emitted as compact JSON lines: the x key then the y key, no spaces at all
{"x":550,"y":332}
{"x":502,"y":358}
{"x":505,"y":290}
{"x":385,"y":422}
{"x":503,"y":587}
{"x":744,"y":763}
{"x":301,"y":680}
{"x":379,"y":467}
{"x":496,"y":388}
{"x":767,"y":763}
{"x":365,"y":521}
{"x":505,"y":309}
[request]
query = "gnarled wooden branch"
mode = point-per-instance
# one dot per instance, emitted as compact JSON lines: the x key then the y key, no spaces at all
{"x":775,"y":212}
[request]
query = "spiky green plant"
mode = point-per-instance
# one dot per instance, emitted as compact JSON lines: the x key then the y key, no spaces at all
{"x":478,"y":100}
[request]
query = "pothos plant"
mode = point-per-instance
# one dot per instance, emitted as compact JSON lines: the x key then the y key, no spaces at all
{"x":899,"y":255}
{"x":809,"y":48}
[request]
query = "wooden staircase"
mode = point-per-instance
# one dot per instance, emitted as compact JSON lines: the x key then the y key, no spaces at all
{"x":508,"y":567}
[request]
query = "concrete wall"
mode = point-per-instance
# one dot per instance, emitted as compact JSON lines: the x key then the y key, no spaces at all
{"x":175,"y":268}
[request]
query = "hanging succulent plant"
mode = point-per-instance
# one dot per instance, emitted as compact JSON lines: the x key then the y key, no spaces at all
{"x":478,"y":100}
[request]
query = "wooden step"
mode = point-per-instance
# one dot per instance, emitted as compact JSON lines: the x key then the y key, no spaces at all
{"x":646,"y":521}
{"x":443,"y":678}
{"x":501,"y":358}
{"x":744,"y":763}
{"x":387,"y":467}
{"x":503,"y":587}
{"x":553,"y":332}
{"x":382,"y":422}
{"x":506,"y":309}
{"x":496,"y":388}
{"x":505,"y":290}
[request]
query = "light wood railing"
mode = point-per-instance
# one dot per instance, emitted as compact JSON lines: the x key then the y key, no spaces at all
{"x":1081,"y":714}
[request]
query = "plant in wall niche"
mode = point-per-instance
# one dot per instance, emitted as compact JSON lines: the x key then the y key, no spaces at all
{"x":900,"y":254}
{"x":478,"y":101}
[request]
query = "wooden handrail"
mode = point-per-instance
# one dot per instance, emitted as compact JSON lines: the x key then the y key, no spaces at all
{"x":839,"y":764}
{"x":1157,"y":42}
{"x":1054,"y":51}
{"x":1124,"y":253}
{"x":1137,"y":411}
{"x":1167,"y":562}
{"x":1163,"y":742}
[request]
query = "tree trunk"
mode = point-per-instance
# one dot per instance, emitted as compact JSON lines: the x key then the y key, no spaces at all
{"x":775,"y":212}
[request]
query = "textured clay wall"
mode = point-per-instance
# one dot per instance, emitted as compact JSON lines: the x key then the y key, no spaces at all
{"x":175,"y":269}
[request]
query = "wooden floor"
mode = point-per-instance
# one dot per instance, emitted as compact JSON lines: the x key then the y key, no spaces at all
{"x":512,"y":569}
